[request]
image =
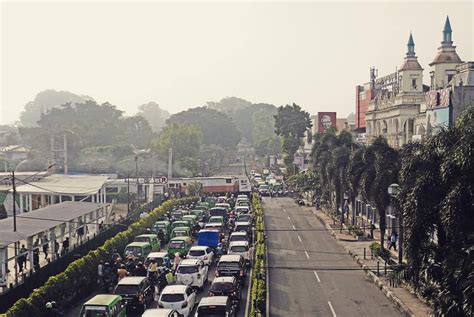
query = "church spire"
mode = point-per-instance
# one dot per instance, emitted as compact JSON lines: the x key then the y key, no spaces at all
{"x":410,"y":47}
{"x":447,"y":33}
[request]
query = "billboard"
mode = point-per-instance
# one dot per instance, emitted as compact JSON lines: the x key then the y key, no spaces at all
{"x":326,"y":120}
{"x":436,"y":118}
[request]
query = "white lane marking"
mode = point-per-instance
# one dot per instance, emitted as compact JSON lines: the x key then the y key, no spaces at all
{"x":284,"y":211}
{"x":294,"y":228}
{"x":317,"y":276}
{"x":299,"y":238}
{"x":332,"y":309}
{"x":289,"y":218}
{"x":307,"y":255}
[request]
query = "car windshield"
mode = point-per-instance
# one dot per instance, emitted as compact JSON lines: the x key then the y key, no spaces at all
{"x":126,"y":289}
{"x":172,"y":298}
{"x":142,"y":239}
{"x":133,"y":250}
{"x":238,"y":248}
{"x":212,"y":311}
{"x":242,"y":228}
{"x":94,"y":311}
{"x":187,"y":269}
{"x":263,"y":187}
{"x":244,"y":218}
{"x":216,"y":220}
{"x":197,"y":252}
{"x":228,"y":265}
{"x":180,"y":233}
{"x":176,"y":244}
{"x":238,"y":238}
{"x":221,"y":287}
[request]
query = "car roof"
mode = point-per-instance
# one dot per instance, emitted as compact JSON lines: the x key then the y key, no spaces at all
{"x":238,"y":243}
{"x":137,"y":244}
{"x":230,"y":258}
{"x":180,"y":228}
{"x":131,"y":280}
{"x":242,"y":223}
{"x":190,"y":262}
{"x":174,"y":289}
{"x":181,"y":238}
{"x":157,"y":254}
{"x":157,"y":312}
{"x":102,"y":299}
{"x":239,"y":233}
{"x":224,"y":279}
{"x":199,"y":247}
{"x":213,"y":300}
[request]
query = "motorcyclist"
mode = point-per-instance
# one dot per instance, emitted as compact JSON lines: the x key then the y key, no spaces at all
{"x":140,"y":270}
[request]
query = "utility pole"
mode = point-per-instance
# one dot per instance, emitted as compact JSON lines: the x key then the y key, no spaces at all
{"x":65,"y":152}
{"x":170,"y":163}
{"x":128,"y":194}
{"x":14,"y":201}
{"x":138,"y":182}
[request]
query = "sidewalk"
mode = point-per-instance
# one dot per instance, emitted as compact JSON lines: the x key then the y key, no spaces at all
{"x":408,"y":303}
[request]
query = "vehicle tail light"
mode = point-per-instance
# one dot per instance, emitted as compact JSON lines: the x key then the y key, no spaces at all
{"x":141,"y":297}
{"x":211,"y":294}
{"x":241,"y":273}
{"x":184,"y":305}
{"x":205,"y":257}
{"x":217,"y":273}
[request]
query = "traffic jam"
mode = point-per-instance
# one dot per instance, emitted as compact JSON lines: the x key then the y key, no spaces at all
{"x":194,"y":261}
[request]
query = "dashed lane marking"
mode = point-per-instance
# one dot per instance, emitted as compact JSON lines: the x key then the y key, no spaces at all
{"x":306,"y":253}
{"x":317,"y":276}
{"x":294,"y":228}
{"x":332,"y":309}
{"x":299,"y":238}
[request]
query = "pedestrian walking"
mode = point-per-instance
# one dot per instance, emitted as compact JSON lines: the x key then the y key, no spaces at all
{"x":56,"y":248}
{"x":169,"y":277}
{"x":45,"y":247}
{"x":176,"y":262}
{"x":36,"y":261}
{"x":100,"y":272}
{"x":22,"y":257}
{"x":393,"y":241}
{"x":65,"y":246}
{"x":372,"y":228}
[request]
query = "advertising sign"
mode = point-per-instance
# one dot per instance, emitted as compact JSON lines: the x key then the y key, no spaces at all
{"x":436,"y":118}
{"x":326,"y":120}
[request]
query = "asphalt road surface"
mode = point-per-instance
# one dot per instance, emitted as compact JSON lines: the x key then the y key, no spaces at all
{"x":309,"y":273}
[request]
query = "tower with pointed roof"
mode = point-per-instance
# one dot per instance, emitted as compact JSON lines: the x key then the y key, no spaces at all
{"x":443,"y":67}
{"x":411,"y":72}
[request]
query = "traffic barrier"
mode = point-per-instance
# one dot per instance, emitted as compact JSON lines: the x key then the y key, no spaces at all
{"x":258,"y":281}
{"x":80,"y":277}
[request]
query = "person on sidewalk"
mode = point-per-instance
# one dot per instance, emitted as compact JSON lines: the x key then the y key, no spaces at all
{"x":45,"y":247}
{"x":372,"y":228}
{"x":393,"y":241}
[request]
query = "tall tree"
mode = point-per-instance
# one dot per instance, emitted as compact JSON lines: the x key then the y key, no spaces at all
{"x":44,"y":102}
{"x":185,"y":140}
{"x":216,"y":127}
{"x":291,"y":123}
{"x":154,"y":114}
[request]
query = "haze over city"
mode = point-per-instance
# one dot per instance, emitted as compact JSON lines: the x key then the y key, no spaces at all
{"x":182,"y":55}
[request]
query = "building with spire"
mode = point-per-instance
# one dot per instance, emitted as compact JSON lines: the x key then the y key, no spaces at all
{"x":402,"y":109}
{"x":391,"y":113}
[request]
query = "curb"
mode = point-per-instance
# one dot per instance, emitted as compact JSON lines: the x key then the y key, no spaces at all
{"x":406,"y":311}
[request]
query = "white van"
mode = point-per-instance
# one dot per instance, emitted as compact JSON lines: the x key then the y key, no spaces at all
{"x":192,"y":272}
{"x":242,"y":248}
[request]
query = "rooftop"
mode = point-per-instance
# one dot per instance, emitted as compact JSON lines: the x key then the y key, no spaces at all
{"x":65,"y":184}
{"x":174,"y":289}
{"x":40,"y":220}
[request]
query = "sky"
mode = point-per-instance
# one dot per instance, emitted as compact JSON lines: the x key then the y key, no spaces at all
{"x":183,"y":54}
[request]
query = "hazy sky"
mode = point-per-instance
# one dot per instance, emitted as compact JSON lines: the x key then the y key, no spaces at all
{"x":184,"y":54}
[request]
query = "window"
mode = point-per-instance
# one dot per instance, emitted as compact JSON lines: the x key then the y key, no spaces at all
{"x":413,"y":83}
{"x":228,"y":181}
{"x":450,"y":77}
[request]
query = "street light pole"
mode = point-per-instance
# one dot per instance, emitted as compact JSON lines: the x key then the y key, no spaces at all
{"x":14,"y":201}
{"x":393,"y":190}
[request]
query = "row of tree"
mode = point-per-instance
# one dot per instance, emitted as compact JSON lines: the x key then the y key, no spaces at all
{"x":100,"y":139}
{"x":436,"y":199}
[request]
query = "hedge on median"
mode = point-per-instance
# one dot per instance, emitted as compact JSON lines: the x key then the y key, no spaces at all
{"x":258,"y":281}
{"x":80,"y":277}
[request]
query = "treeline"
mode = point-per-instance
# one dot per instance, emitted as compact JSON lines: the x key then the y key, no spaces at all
{"x":101,"y":139}
{"x":436,"y":197}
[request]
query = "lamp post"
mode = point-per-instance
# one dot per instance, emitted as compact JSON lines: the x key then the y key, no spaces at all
{"x":393,"y":191}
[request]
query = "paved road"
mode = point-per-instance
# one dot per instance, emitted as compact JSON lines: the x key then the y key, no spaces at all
{"x":310,"y":274}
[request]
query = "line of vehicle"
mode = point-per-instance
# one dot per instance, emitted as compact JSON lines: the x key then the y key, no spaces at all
{"x":332,"y":309}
